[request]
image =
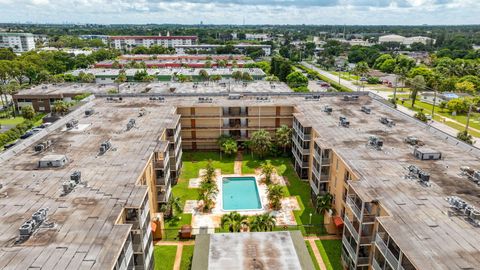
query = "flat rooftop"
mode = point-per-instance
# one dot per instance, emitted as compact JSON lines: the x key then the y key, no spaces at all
{"x":169,"y":71}
{"x":84,"y":234}
{"x":157,"y":88}
{"x":254,"y":250}
{"x":419,"y":221}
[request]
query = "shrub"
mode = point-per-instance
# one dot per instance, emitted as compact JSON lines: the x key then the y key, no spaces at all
{"x":374,"y":80}
{"x":421,"y":116}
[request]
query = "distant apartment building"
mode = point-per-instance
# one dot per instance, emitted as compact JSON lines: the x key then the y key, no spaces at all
{"x":407,"y":41}
{"x":130,"y":42}
{"x":258,"y":37}
{"x":211,"y":48}
{"x":103,"y":38}
{"x":18,"y":42}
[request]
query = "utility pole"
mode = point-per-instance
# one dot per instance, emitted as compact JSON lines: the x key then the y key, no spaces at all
{"x":468,"y":118}
{"x":434,"y":102}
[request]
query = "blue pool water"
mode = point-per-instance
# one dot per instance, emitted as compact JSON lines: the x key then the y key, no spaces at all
{"x":240,"y":193}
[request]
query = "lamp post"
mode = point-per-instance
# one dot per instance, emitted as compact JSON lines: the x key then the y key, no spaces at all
{"x":468,"y":118}
{"x":310,"y":219}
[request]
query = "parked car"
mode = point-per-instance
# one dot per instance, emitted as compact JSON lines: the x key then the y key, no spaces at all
{"x":44,"y":125}
{"x":27,"y":134}
{"x":10,"y":145}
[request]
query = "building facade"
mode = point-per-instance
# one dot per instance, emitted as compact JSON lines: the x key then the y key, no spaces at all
{"x":130,"y":42}
{"x":18,"y":42}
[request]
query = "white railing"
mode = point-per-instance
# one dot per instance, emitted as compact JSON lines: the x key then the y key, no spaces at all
{"x":354,"y":207}
{"x":349,"y":248}
{"x":375,"y":265}
{"x":350,"y":227}
{"x":386,"y":252}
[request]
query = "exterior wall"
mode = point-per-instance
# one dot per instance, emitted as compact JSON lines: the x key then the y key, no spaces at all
{"x":18,"y":42}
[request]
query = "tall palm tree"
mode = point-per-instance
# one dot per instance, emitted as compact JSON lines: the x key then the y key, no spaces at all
{"x":275,"y":195}
{"x":207,"y":193}
{"x":283,"y":137}
{"x":234,"y":221}
{"x":267,"y":171}
{"x":323,"y":203}
{"x":262,"y":223}
{"x":209,"y":175}
{"x":174,"y":205}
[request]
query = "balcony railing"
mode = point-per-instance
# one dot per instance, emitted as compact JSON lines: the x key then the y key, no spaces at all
{"x":382,"y":246}
{"x":350,"y":227}
{"x":375,"y":265}
{"x":354,"y":207}
{"x":159,"y":164}
{"x":351,"y":251}
{"x":363,"y":261}
{"x":366,"y":240}
{"x":368,"y":218}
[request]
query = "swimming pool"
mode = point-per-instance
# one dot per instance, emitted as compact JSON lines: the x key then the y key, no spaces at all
{"x":240,"y":193}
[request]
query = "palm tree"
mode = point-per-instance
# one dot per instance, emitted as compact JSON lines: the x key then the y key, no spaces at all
{"x":417,"y":83}
{"x":174,"y":205}
{"x":207,"y":193}
{"x":267,"y":171}
{"x":361,"y":68}
{"x":283,"y":137}
{"x":209,"y":175}
{"x":275,"y":195}
{"x":262,"y":223}
{"x":261,"y":142}
{"x":234,"y":221}
{"x":323,"y":203}
{"x":203,"y":74}
{"x":60,"y":107}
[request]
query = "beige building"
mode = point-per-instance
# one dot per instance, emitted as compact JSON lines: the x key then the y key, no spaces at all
{"x":390,"y":216}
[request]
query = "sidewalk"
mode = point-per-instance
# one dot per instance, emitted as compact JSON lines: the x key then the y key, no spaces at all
{"x":447,"y":129}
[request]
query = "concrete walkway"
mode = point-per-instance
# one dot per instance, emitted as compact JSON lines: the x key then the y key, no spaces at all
{"x":317,"y":254}
{"x":323,"y":237}
{"x":237,"y":165}
{"x":178,"y":256}
{"x":349,"y":84}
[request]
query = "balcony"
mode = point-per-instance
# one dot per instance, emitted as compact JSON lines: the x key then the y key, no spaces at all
{"x":363,"y":261}
{"x":375,"y":265}
{"x":350,"y":227}
{"x":354,"y":207}
{"x":159,"y":164}
{"x":366,"y":240}
{"x":351,"y":251}
{"x":382,"y":246}
{"x":369,"y":218}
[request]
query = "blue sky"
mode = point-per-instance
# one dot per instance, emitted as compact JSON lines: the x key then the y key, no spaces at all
{"x":411,"y":12}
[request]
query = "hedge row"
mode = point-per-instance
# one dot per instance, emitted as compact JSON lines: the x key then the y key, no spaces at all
{"x":316,"y":75}
{"x":15,"y":133}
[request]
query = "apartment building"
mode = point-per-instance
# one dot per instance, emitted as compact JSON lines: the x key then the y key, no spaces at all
{"x":389,"y":212}
{"x":18,"y":42}
{"x":97,"y":206}
{"x":390,"y":206}
{"x":258,"y":37}
{"x":130,"y":42}
{"x":211,"y":48}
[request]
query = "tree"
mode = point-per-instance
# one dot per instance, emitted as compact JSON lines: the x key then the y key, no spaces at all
{"x":283,"y":137}
{"x":86,"y":77}
{"x":459,"y":105}
{"x":262,"y":223}
{"x":227,"y":144}
{"x":28,"y":112}
{"x":465,"y":137}
{"x":421,"y":116}
{"x":361,"y":68}
{"x":247,"y":77}
{"x":297,"y":79}
{"x":207,"y":193}
{"x":261,"y":142}
{"x":275,"y":195}
{"x":323,"y":203}
{"x":208,"y":64}
{"x":203,"y":75}
{"x":140,"y":75}
{"x":416,"y":84}
{"x":209,"y":176}
{"x":234,"y":221}
{"x":173,"y":205}
{"x":60,"y":107}
{"x":267,"y":170}
{"x":272,"y":78}
{"x":237,"y":75}
{"x":465,"y":87}
{"x":122,"y":77}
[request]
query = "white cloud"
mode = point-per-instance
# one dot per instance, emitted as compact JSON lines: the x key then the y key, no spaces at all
{"x":233,"y":11}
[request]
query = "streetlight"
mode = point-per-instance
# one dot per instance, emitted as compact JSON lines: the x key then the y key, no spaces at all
{"x":310,"y":219}
{"x":468,"y":118}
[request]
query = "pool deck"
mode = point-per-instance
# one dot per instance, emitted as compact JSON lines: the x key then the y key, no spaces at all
{"x":284,"y":217}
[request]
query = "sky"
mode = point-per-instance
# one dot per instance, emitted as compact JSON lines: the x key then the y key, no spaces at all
{"x":338,"y":12}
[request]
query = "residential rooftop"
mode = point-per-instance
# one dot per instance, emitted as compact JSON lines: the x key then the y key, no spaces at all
{"x":169,"y":71}
{"x":84,"y":233}
{"x":418,"y":218}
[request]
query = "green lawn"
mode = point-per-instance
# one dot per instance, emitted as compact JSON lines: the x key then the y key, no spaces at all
{"x":331,"y":251}
{"x":427,"y":109}
{"x":346,"y":76}
{"x":164,"y":257}
{"x":187,"y":256}
{"x":11,"y":121}
{"x":192,"y":163}
{"x":310,"y":251}
{"x":296,"y":187}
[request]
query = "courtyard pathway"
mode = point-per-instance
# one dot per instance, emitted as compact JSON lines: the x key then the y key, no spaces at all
{"x":237,"y":165}
{"x":316,"y":252}
{"x":178,"y":256}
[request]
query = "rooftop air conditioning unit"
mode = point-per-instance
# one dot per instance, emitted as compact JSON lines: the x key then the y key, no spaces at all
{"x":76,"y":176}
{"x":344,"y":122}
{"x":328,"y":109}
{"x":104,"y":146}
{"x":366,"y":110}
{"x":386,"y":121}
{"x":375,"y":142}
{"x":89,"y":112}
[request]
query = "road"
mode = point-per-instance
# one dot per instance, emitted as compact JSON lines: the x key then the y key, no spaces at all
{"x":350,"y":85}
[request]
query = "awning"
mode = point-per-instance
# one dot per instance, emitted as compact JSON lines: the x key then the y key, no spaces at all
{"x":154,"y":226}
{"x":338,"y":221}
